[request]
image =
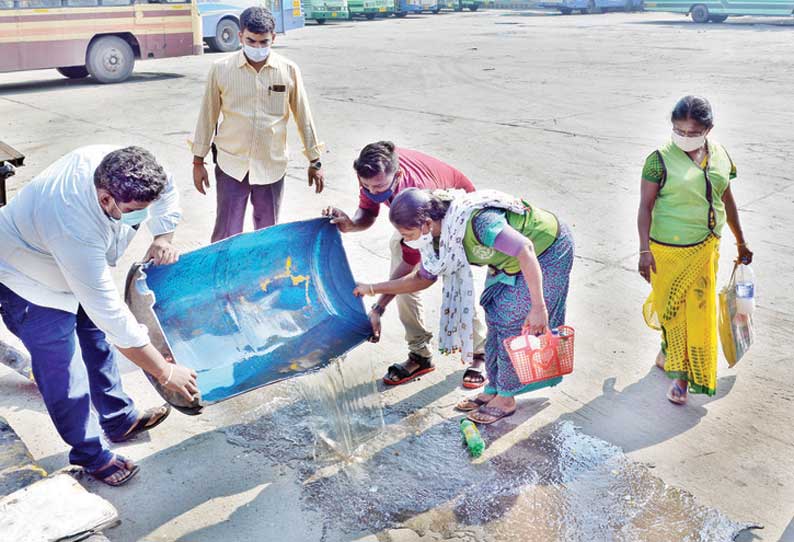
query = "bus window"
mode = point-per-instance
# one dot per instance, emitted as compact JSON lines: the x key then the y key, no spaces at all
{"x":115,"y":2}
{"x":81,"y":3}
{"x":6,"y":4}
{"x":39,"y":3}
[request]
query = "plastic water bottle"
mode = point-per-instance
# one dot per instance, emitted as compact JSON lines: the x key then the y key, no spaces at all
{"x":745,"y":290}
{"x":472,"y":437}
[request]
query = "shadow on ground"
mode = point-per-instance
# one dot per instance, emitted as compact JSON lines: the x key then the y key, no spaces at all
{"x":60,"y":83}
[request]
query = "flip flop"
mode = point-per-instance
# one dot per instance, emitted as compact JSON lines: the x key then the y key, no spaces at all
{"x":117,"y":464}
{"x":150,"y":419}
{"x":680,"y":395}
{"x":468,"y":405}
{"x":476,"y":379}
{"x":403,"y":375}
{"x":494,"y":412}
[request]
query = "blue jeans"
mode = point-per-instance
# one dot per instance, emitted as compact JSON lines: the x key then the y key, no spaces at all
{"x":70,"y":387}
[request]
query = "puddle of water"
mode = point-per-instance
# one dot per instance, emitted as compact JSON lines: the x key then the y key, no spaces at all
{"x":345,"y":407}
{"x":556,"y":484}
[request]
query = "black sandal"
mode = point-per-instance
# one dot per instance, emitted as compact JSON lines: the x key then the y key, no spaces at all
{"x":473,"y":379}
{"x":117,"y":464}
{"x":424,"y":366}
{"x":150,"y":419}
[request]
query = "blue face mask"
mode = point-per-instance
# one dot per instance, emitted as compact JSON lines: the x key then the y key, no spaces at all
{"x":380,"y":197}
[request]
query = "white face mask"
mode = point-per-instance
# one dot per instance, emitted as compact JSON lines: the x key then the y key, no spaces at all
{"x":688,"y":144}
{"x":423,"y":241}
{"x":256,"y":54}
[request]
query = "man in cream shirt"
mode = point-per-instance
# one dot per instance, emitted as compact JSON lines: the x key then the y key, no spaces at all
{"x":255,"y":89}
{"x":58,"y":237}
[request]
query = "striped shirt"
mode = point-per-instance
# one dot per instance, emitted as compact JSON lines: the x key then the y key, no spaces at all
{"x":252,"y":137}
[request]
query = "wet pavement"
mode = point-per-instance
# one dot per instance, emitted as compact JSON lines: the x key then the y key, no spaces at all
{"x":556,"y":484}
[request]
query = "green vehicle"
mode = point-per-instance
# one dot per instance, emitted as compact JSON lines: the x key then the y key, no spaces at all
{"x":325,"y":10}
{"x":716,"y":11}
{"x":458,"y":5}
{"x":370,"y":8}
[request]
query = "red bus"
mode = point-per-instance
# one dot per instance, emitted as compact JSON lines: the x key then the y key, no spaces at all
{"x":100,"y":38}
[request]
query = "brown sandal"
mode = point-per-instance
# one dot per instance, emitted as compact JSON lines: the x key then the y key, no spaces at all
{"x":494,"y":412}
{"x":150,"y":419}
{"x":467,"y":405}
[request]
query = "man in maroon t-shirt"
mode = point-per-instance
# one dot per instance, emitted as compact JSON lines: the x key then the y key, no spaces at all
{"x":383,"y":171}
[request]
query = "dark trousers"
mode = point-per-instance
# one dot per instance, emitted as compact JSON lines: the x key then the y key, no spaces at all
{"x":69,"y":385}
{"x":233,"y":198}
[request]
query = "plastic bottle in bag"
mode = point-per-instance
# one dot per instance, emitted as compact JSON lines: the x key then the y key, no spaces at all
{"x":745,"y":290}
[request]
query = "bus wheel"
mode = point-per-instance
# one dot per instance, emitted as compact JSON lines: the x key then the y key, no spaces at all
{"x":700,"y":13}
{"x":401,"y":14}
{"x":226,"y":37}
{"x":110,"y":59}
{"x":566,"y":11}
{"x":73,"y":72}
{"x":370,"y":16}
{"x":435,"y":11}
{"x":320,"y":21}
{"x":718,"y":18}
{"x":474,"y":7}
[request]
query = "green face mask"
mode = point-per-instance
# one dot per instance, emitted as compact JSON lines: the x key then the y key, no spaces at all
{"x":133,"y":218}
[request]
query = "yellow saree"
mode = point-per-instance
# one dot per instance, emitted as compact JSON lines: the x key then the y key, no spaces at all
{"x":683,"y":305}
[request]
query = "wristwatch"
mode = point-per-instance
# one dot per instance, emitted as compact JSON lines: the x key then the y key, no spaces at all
{"x":316,"y":165}
{"x":378,"y":309}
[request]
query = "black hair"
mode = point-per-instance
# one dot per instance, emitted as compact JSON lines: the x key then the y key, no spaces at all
{"x":131,"y":174}
{"x":695,"y":108}
{"x":257,"y":20}
{"x":413,"y":207}
{"x":375,"y":158}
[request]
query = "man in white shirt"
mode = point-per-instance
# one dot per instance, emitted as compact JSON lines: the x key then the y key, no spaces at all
{"x":58,"y":237}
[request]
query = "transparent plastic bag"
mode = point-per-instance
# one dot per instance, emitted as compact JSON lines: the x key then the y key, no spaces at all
{"x":736,"y":330}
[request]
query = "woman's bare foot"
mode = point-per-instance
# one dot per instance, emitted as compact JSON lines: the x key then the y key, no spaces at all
{"x":661,"y":359}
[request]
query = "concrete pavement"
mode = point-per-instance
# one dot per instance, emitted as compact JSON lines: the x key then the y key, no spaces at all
{"x":561,"y":110}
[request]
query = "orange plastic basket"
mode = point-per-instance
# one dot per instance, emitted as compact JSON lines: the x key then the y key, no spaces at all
{"x":544,"y":357}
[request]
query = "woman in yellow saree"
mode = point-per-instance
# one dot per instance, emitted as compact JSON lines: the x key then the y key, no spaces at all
{"x":685,"y":202}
